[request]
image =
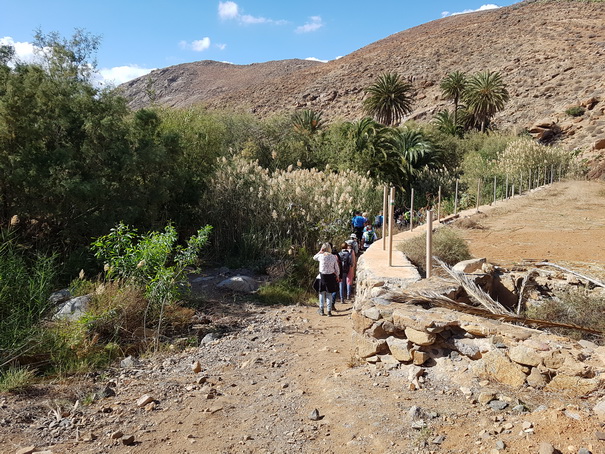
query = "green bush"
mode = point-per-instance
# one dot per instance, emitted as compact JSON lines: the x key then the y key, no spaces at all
{"x":15,"y":379}
{"x":281,"y":292}
{"x":576,"y":307}
{"x":26,"y":282}
{"x":448,"y":245}
{"x":575,"y":111}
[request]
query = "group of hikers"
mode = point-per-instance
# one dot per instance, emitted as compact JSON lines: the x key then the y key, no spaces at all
{"x":337,"y":265}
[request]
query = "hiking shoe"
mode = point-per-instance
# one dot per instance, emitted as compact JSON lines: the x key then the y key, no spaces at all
{"x":320,"y":312}
{"x":329,"y":314}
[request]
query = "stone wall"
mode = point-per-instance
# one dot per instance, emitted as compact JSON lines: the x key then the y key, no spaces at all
{"x":392,"y":334}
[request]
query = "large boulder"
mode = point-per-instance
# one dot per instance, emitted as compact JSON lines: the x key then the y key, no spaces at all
{"x":241,"y":284}
{"x":74,"y":308}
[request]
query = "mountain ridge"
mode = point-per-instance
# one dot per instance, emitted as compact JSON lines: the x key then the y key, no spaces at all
{"x":551,"y":56}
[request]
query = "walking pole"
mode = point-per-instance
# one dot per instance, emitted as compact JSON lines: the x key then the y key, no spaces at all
{"x":412,"y":211}
{"x":385,"y":206}
{"x":391,"y":216}
{"x":429,"y":242}
{"x":456,"y":199}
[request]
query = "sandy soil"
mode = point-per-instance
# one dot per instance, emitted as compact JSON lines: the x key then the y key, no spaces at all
{"x":263,"y":382}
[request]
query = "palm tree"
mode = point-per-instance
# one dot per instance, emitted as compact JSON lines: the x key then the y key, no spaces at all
{"x":448,"y":124}
{"x":412,"y":151}
{"x":307,"y":122}
{"x":389,"y":99}
{"x":453,"y":87}
{"x":485,"y":95}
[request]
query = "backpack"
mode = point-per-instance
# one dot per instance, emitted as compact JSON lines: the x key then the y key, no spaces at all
{"x":345,"y":260}
{"x":369,"y":237}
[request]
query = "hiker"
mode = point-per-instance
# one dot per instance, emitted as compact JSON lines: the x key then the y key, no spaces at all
{"x":378,"y":220}
{"x":369,"y":236}
{"x":327,"y":281}
{"x":352,"y":241}
{"x":358,"y":223}
{"x":335,"y":293}
{"x":347,"y":260}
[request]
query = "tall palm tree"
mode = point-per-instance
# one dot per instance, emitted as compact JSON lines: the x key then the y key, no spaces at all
{"x":389,"y":99}
{"x":485,"y":95}
{"x":447,"y":123}
{"x":412,"y":151}
{"x":453,"y":87}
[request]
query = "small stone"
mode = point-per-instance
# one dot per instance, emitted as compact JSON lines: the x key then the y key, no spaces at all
{"x":129,"y":362}
{"x":498,"y":405}
{"x":128,"y":441}
{"x":116,"y":435}
{"x":314,"y":416}
{"x":26,"y":450}
{"x":500,"y":445}
{"x":203,"y":379}
{"x":438,"y":440}
{"x":519,"y":408}
{"x":144,"y":400}
{"x":419,"y":425}
{"x":600,"y":436}
{"x":486,"y":397}
{"x":89,"y":437}
{"x":527,"y":425}
{"x":584,"y":451}
{"x":414,"y":412}
{"x":107,"y":392}
{"x":196,"y":367}
{"x":546,"y":448}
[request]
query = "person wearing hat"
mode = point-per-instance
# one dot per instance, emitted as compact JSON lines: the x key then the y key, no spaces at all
{"x":352,"y":241}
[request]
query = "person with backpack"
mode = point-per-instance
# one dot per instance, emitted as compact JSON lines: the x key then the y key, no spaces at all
{"x":327,"y":281}
{"x":369,"y":236}
{"x":346,"y":264}
{"x":357,"y":223}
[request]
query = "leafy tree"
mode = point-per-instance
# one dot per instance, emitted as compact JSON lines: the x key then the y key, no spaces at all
{"x":453,"y":87}
{"x":389,"y":99}
{"x":485,"y":95}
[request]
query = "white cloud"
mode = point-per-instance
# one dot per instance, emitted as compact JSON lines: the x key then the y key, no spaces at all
{"x":198,"y":45}
{"x":481,"y":8}
{"x":231,"y":10}
{"x":316,"y":59}
{"x":228,"y":10}
{"x":120,"y":74}
{"x":201,"y":44}
{"x":221,"y":46}
{"x":314,"y":24}
{"x":24,"y":51}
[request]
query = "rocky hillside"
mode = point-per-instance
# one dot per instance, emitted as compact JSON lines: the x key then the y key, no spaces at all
{"x":551,"y":53}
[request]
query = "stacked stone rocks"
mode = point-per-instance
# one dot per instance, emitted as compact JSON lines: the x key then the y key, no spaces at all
{"x":391,"y":333}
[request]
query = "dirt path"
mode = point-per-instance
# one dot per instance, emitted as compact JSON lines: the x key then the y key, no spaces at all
{"x":564,"y":224}
{"x":263,"y":382}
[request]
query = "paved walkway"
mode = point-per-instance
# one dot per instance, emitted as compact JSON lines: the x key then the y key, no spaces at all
{"x":376,"y":257}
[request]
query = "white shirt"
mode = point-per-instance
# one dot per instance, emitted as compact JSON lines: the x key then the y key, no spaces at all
{"x":328,"y":263}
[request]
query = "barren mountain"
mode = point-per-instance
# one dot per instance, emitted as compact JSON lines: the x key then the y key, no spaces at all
{"x":551,"y":54}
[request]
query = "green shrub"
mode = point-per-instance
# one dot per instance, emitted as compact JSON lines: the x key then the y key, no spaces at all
{"x":575,"y":111}
{"x":15,"y":379}
{"x":281,"y":292}
{"x":448,"y":245}
{"x":576,"y":307}
{"x":25,"y":284}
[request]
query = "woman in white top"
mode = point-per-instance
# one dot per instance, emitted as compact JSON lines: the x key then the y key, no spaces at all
{"x":328,"y":277}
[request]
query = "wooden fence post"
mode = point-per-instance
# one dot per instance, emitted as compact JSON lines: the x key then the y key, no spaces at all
{"x":478,"y":193}
{"x":391,"y":216}
{"x":439,"y":205}
{"x":385,"y":207}
{"x":412,"y":211}
{"x":429,"y":242}
{"x":456,"y":198}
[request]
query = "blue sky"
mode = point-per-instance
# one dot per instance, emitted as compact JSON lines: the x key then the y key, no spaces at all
{"x":138,"y":36}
